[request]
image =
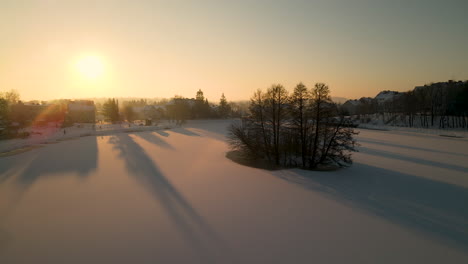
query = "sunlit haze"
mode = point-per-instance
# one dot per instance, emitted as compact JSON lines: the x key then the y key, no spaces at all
{"x":233,"y":131}
{"x":90,"y":67}
{"x":75,"y":49}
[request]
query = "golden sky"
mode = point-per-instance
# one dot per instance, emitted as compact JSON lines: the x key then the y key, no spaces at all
{"x":75,"y":49}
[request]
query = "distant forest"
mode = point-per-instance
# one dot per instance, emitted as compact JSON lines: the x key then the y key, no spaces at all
{"x":176,"y":109}
{"x":437,"y":105}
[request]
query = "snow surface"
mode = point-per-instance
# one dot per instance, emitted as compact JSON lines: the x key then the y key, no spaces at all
{"x":52,"y":134}
{"x":171,"y":196}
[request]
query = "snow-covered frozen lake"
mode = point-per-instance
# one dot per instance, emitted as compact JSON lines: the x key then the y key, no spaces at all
{"x":173,"y":197}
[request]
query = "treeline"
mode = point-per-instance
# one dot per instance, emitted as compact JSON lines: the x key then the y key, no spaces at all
{"x":180,"y":108}
{"x":177,"y":109}
{"x":437,"y":105}
{"x":15,"y":115}
{"x":303,"y":129}
{"x":7,"y":102}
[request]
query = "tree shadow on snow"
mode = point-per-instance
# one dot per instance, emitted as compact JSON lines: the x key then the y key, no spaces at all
{"x":218,"y":127}
{"x":154,"y":139}
{"x":383,"y":143}
{"x":238,"y":157}
{"x":434,"y":208}
{"x":390,"y":155}
{"x":162,"y":133}
{"x":183,"y":131}
{"x":79,"y":156}
{"x":193,"y":227}
{"x":74,"y":156}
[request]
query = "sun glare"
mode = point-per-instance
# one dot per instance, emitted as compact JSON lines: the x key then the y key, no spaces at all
{"x":90,"y":66}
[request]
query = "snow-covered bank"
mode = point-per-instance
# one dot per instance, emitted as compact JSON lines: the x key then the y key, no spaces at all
{"x":460,"y":133}
{"x":48,"y":135}
{"x":172,"y":197}
{"x":398,"y":122}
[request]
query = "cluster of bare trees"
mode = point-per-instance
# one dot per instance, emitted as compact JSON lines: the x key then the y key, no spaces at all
{"x":303,"y":129}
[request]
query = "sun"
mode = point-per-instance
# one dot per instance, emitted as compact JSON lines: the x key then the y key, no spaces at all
{"x":90,"y":66}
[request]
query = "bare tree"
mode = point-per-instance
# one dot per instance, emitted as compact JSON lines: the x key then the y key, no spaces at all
{"x":300,"y":115}
{"x":276,"y":107}
{"x":320,"y":101}
{"x":258,"y":119}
